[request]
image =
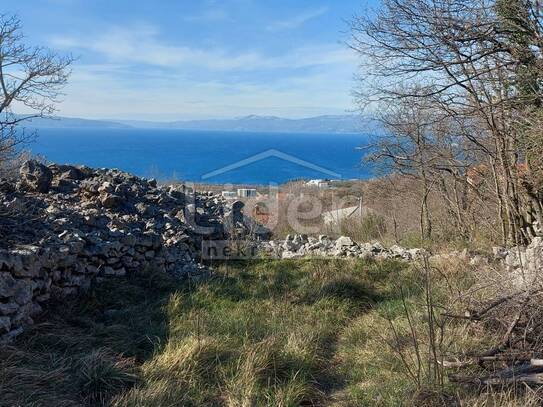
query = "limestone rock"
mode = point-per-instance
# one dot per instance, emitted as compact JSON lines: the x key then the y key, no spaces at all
{"x":343,"y":242}
{"x":8,"y":285}
{"x":5,"y":324}
{"x":35,"y":176}
{"x":8,"y":308}
{"x":111,"y":201}
{"x":23,"y":292}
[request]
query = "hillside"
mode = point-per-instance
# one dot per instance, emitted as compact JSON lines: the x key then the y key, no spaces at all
{"x":254,"y":123}
{"x":264,"y":124}
{"x":73,"y":122}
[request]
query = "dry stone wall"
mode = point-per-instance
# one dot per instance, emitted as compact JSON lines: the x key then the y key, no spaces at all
{"x":524,"y":264}
{"x":64,"y":226}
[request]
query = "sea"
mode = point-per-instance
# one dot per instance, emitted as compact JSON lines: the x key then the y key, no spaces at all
{"x":215,"y":157}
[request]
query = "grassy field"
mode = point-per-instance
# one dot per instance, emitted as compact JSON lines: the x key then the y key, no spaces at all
{"x":261,"y":333}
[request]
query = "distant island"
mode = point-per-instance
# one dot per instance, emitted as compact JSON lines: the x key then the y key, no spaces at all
{"x":252,"y":123}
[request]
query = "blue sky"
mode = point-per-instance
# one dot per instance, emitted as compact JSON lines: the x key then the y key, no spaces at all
{"x":185,"y":59}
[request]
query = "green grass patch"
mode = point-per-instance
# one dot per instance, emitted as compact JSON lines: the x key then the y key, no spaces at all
{"x":258,"y":333}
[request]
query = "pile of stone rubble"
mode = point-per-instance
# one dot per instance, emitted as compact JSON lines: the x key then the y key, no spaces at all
{"x":63,"y":226}
{"x":296,"y":246}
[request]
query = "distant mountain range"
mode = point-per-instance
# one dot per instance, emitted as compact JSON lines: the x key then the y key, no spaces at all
{"x":272,"y":124}
{"x":72,"y":122}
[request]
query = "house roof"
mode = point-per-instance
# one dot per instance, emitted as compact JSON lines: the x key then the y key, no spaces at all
{"x":337,"y":215}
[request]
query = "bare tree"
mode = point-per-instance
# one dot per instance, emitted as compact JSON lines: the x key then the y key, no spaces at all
{"x":477,"y":62}
{"x":425,"y":144}
{"x":31,"y":80}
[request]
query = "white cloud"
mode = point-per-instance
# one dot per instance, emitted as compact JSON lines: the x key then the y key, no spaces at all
{"x":298,"y":20}
{"x":139,"y":76}
{"x":94,"y":92}
{"x":141,"y":45}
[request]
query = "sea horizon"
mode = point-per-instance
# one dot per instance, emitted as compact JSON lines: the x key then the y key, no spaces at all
{"x":211,"y":157}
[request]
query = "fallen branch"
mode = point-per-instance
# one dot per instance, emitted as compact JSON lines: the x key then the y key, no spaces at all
{"x":525,"y":373}
{"x":507,"y":336}
{"x":477,"y":360}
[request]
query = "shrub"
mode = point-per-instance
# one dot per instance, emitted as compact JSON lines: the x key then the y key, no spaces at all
{"x":370,"y":227}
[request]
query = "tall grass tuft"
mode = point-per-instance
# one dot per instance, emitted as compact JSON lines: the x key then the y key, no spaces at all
{"x":100,"y":375}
